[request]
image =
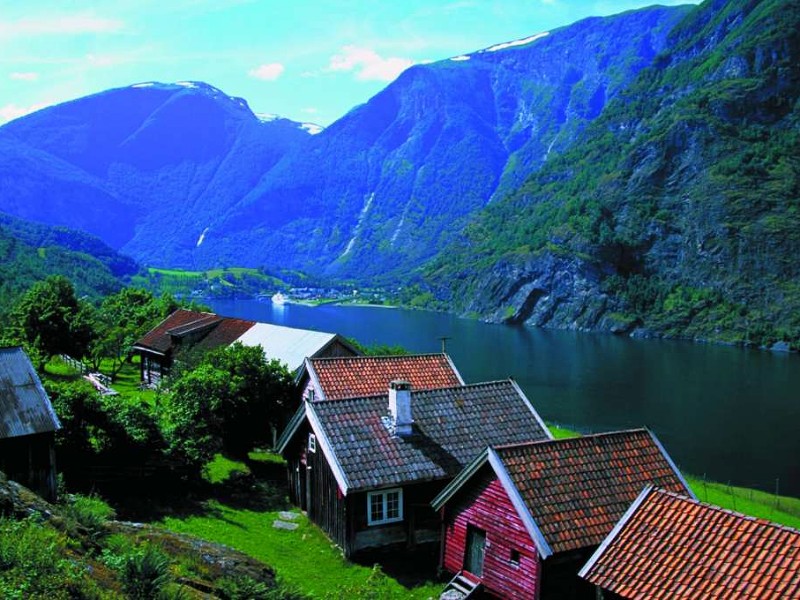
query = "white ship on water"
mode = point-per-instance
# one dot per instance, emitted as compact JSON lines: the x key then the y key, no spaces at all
{"x":279,"y":299}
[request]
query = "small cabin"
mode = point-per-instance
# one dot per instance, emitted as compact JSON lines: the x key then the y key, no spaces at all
{"x":522,"y":519}
{"x":191,"y":331}
{"x":325,"y":378}
{"x":670,"y":546}
{"x":27,"y":425}
{"x":366,"y":469}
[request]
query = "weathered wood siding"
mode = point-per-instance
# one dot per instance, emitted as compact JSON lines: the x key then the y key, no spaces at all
{"x":327,"y":506}
{"x":153,"y":367}
{"x":420,"y":524}
{"x":335,"y":350}
{"x":30,"y":460}
{"x":485,"y":504}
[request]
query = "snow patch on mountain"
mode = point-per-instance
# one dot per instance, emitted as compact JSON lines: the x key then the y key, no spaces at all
{"x":514,"y":43}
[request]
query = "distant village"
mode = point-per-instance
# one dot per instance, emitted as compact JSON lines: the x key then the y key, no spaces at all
{"x":396,"y":454}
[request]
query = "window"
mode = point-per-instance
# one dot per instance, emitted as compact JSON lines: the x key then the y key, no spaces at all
{"x":514,"y":560}
{"x":385,"y":506}
{"x":312,"y":442}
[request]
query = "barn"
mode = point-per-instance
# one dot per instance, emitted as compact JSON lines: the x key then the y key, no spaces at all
{"x":27,"y":425}
{"x":366,"y":469}
{"x":520,"y":520}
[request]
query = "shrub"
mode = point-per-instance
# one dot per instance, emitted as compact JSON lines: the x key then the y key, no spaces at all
{"x":145,"y":573}
{"x":244,"y":587}
{"x":89,"y":512}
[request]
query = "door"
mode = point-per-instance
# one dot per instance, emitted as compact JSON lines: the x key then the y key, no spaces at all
{"x":476,"y":547}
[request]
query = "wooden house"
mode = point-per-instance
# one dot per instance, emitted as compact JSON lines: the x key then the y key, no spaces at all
{"x":669,"y":546}
{"x":520,"y":520}
{"x":27,"y":425}
{"x":361,"y":376}
{"x":366,"y":469}
{"x":188,"y":330}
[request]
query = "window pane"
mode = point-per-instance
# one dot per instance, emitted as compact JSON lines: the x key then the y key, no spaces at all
{"x":376,"y":507}
{"x":392,"y":505}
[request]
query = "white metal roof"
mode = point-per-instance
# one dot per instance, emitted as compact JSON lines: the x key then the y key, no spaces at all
{"x":289,"y":345}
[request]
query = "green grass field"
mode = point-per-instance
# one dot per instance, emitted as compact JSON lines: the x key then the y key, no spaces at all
{"x":304,"y":559}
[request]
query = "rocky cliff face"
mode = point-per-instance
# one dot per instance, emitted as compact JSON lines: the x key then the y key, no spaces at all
{"x":682,"y":202}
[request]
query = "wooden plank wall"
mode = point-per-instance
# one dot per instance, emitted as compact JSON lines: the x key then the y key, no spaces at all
{"x":484,"y":504}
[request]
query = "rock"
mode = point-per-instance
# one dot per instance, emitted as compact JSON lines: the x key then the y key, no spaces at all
{"x":278,"y":524}
{"x":781,"y":347}
{"x":288,"y":516}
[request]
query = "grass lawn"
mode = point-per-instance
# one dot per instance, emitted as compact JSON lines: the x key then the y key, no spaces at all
{"x":304,"y":559}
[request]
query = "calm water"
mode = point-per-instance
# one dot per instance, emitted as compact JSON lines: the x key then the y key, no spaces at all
{"x":729,"y":413}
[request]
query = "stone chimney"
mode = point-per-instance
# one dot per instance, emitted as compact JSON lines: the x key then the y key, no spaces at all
{"x":400,"y":407}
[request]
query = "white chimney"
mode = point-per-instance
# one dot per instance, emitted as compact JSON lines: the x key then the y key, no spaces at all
{"x":400,"y":407}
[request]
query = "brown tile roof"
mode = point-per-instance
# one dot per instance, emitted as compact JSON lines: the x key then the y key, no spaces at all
{"x":577,"y":489}
{"x":360,"y":376}
{"x":451,"y":427}
{"x":670,"y":546}
{"x":215,"y":330}
{"x":159,"y":339}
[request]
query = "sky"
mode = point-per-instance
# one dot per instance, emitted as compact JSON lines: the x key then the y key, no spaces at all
{"x":306,"y":60}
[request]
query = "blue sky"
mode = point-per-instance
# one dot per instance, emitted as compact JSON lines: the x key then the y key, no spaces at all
{"x":308,"y":60}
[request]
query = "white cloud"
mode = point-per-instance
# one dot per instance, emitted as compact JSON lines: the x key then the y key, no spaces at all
{"x":367,"y":64}
{"x":310,"y":110}
{"x":9,"y":112}
{"x":267,"y":72}
{"x":60,"y":25}
{"x":26,"y":76}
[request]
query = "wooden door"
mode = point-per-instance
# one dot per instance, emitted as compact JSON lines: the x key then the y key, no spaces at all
{"x":476,"y":548}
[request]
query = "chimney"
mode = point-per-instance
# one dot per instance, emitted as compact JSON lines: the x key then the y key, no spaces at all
{"x":400,"y":407}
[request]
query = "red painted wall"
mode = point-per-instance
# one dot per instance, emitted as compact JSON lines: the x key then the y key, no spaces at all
{"x":483,"y":503}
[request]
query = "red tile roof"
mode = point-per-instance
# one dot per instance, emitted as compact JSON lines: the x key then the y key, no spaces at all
{"x":158,"y":338}
{"x":361,"y":376}
{"x":670,"y":546}
{"x":227,"y":331}
{"x":577,"y":489}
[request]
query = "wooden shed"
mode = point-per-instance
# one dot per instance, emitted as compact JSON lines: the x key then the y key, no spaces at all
{"x":27,"y":425}
{"x":522,"y":519}
{"x":366,"y":469}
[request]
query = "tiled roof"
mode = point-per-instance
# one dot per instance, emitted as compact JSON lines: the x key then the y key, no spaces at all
{"x":359,"y":376}
{"x":577,"y":489}
{"x":451,"y":427}
{"x":227,"y":331}
{"x":25,"y":408}
{"x":159,"y":339}
{"x":670,"y":546}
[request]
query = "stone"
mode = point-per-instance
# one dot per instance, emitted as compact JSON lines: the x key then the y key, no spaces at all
{"x":278,"y":524}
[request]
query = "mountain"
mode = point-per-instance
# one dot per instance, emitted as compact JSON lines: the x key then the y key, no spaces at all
{"x":387,"y":186}
{"x":146,"y":167}
{"x":29,"y":252}
{"x":677,"y":211}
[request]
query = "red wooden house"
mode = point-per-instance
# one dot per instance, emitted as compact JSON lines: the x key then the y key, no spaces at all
{"x":520,"y":520}
{"x":669,"y":546}
{"x":366,"y":469}
{"x":361,"y":376}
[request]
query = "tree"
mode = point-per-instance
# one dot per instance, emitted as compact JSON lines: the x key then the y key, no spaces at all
{"x":122,"y":319}
{"x":53,"y":321}
{"x":229,"y":403}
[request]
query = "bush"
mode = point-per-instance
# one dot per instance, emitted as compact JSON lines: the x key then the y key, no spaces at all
{"x":145,"y":573}
{"x":89,"y":512}
{"x":31,"y":563}
{"x":247,"y":588}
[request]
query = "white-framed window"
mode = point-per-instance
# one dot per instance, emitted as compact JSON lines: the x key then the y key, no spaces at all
{"x":312,"y":442}
{"x":385,"y":506}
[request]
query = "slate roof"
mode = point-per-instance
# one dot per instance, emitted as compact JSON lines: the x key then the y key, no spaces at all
{"x":669,"y":546}
{"x":25,"y":408}
{"x":360,"y":376}
{"x":451,"y":426}
{"x":577,"y":489}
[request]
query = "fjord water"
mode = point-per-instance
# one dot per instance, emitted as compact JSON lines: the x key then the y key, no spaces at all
{"x":729,"y":413}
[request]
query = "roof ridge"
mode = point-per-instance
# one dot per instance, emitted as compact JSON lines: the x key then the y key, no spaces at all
{"x":728,"y":511}
{"x":373,"y":356}
{"x":576,"y":439}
